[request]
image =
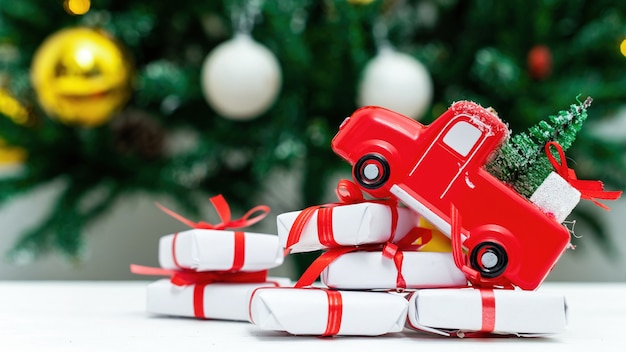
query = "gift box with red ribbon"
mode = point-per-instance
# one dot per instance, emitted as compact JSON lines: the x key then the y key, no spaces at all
{"x":404,"y":270}
{"x":221,"y":250}
{"x":322,"y":312}
{"x":212,"y":270}
{"x":352,"y":221}
{"x":469,"y":312}
{"x":213,"y":247}
{"x":220,"y":301}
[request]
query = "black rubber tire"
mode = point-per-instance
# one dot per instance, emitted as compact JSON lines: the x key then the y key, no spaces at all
{"x":368,"y":159}
{"x":494,"y":248}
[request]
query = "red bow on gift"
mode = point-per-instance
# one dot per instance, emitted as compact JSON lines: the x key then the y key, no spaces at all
{"x":223,"y":211}
{"x":588,"y":189}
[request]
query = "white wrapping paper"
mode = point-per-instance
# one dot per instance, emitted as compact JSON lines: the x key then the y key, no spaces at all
{"x":556,"y":196}
{"x":221,"y":301}
{"x":305,"y":311}
{"x":354,"y":224}
{"x":214,"y":250}
{"x":370,"y":270}
{"x":458,"y":311}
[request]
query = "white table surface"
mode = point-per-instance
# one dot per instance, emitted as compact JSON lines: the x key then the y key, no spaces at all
{"x":110,"y":316}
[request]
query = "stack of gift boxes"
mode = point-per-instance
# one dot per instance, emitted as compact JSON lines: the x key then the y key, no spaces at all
{"x":212,"y":271}
{"x":378,"y":276}
{"x":382,"y":267}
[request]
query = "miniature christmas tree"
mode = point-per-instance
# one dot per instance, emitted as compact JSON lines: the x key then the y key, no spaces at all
{"x":522,"y":161}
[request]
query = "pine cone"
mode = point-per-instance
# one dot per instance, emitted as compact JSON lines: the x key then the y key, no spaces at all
{"x":135,"y":132}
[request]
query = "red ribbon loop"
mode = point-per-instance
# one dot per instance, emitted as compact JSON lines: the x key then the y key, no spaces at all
{"x":589,"y":189}
{"x":223,"y":211}
{"x":348,"y":193}
{"x":391,"y":251}
{"x":189,"y":277}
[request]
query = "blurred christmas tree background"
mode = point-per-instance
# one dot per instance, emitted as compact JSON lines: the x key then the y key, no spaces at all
{"x":192,"y":98}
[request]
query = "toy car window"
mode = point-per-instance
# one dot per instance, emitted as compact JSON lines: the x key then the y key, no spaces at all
{"x":462,"y":137}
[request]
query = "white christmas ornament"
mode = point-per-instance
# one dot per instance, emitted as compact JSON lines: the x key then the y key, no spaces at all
{"x":241,"y":78}
{"x":396,"y":81}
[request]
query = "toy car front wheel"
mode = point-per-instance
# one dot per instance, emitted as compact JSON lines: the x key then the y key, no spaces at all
{"x":489,"y":258}
{"x":371,"y":171}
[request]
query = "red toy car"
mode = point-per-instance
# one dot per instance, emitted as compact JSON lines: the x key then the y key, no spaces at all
{"x":436,"y":168}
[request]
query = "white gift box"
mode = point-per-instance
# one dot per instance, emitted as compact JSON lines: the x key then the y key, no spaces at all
{"x":498,"y":311}
{"x":220,"y":250}
{"x":353,"y":224}
{"x":322,"y":312}
{"x":556,"y":196}
{"x":220,"y":301}
{"x":370,"y":270}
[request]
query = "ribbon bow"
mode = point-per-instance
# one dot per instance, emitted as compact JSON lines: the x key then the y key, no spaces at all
{"x":589,"y":189}
{"x":223,"y":211}
{"x":189,"y":277}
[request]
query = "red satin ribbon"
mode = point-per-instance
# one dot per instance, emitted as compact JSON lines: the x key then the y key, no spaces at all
{"x":347,"y":193}
{"x":200,"y":279}
{"x":198,"y":301}
{"x":335,"y":312}
{"x":174,"y":257}
{"x":325,"y":227}
{"x":389,"y":250}
{"x":223,"y":211}
{"x":395,"y":251}
{"x":190,"y":277}
{"x":460,"y":260}
{"x":240,"y":251}
{"x":319,"y":264}
{"x":589,"y":189}
{"x":488,"y":301}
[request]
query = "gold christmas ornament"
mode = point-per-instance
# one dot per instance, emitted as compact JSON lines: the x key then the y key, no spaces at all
{"x":82,"y":76}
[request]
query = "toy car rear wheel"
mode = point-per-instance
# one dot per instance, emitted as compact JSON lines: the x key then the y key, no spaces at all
{"x":371,"y":171}
{"x":490,"y":259}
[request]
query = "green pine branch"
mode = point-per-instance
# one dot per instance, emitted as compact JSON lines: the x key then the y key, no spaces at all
{"x":522,"y":162}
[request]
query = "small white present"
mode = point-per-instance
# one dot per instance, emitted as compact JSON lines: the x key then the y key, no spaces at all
{"x":556,"y":197}
{"x":344,"y":225}
{"x":371,"y":270}
{"x":322,"y":312}
{"x":220,"y":301}
{"x":465,"y":311}
{"x":220,"y":250}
